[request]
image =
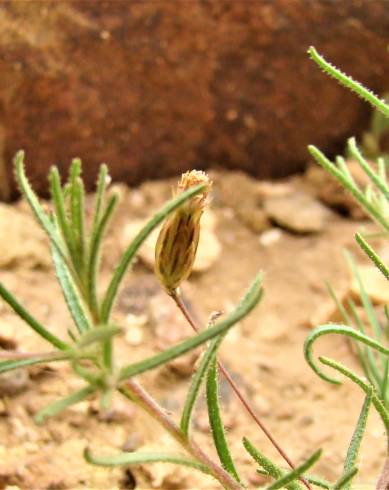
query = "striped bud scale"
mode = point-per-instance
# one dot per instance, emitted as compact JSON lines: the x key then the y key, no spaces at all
{"x":178,"y":239}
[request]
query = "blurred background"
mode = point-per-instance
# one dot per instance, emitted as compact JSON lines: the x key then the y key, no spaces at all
{"x":153,"y":88}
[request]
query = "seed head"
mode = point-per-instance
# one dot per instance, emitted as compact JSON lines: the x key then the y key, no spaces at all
{"x":178,"y":239}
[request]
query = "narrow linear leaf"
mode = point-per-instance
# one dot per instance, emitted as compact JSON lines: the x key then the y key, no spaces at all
{"x":345,"y":480}
{"x":373,"y":256}
{"x":384,"y":388}
{"x":342,"y":310}
{"x":10,"y":299}
{"x":60,"y":212}
{"x":381,"y":163}
{"x":355,"y":443}
{"x":318,"y":482}
{"x":92,"y":377}
{"x":78,"y":217}
{"x":140,"y":458}
{"x":340,"y":330}
{"x":194,"y":388}
{"x":249,"y":301}
{"x":35,"y":206}
{"x":71,"y":294}
{"x":296,"y":473}
{"x":350,"y":186}
{"x":97,"y":334}
{"x":218,"y":433}
{"x":348,"y":82}
{"x":342,"y":165}
{"x":374,"y":177}
{"x":366,"y":356}
{"x":367,"y":388}
{"x":273,"y":470}
{"x":31,"y":361}
{"x":367,"y":305}
{"x":131,"y":251}
{"x":94,"y":249}
{"x":99,"y":196}
{"x":59,"y":405}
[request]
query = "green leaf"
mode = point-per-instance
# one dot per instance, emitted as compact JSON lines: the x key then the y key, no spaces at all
{"x":31,"y":361}
{"x":366,"y":355}
{"x":296,"y":473}
{"x":355,"y":443}
{"x":122,"y":459}
{"x":350,"y":186}
{"x":218,"y":434}
{"x":367,"y":305}
{"x":384,"y":387}
{"x":273,"y":470}
{"x":60,"y":214}
{"x":196,"y":383}
{"x":59,"y":405}
{"x":342,"y":310}
{"x":348,"y":82}
{"x":249,"y":301}
{"x":30,"y":320}
{"x":94,"y":252}
{"x":374,"y":177}
{"x":340,"y":330}
{"x":373,"y":256}
{"x":97,"y":334}
{"x":318,"y":482}
{"x":77,"y":215}
{"x":33,"y":201}
{"x":367,"y":388}
{"x":345,"y":480}
{"x":131,"y":251}
{"x":71,"y":294}
{"x":99,"y":196}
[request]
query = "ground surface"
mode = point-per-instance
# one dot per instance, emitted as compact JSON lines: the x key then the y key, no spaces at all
{"x":264,"y":352}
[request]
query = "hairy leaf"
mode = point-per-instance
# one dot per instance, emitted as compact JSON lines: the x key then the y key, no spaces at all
{"x":127,"y":458}
{"x":218,"y":433}
{"x":249,"y":301}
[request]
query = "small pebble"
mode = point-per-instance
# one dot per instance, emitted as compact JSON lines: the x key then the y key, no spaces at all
{"x":14,"y":382}
{"x":270,"y":237}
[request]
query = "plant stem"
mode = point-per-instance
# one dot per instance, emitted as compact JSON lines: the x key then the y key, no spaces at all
{"x":134,"y":391}
{"x":182,"y":307}
{"x":383,"y":481}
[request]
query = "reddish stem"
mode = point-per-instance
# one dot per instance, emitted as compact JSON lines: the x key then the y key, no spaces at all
{"x":133,"y":390}
{"x":181,"y":305}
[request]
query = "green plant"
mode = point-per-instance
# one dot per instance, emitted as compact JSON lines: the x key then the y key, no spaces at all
{"x":372,"y":349}
{"x":90,"y":346}
{"x":89,"y":349}
{"x":372,"y":139}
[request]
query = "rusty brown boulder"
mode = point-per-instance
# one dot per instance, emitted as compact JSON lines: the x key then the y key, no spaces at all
{"x":153,"y":88}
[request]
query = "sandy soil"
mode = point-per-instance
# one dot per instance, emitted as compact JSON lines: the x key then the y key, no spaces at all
{"x":264,"y":353}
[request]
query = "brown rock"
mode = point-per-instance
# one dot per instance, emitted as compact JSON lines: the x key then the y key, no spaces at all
{"x":332,"y":193}
{"x":154,"y":88}
{"x":241,"y":193}
{"x":298,"y":212}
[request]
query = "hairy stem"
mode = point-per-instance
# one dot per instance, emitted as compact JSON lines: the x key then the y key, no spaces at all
{"x":181,"y":305}
{"x":132,"y":390}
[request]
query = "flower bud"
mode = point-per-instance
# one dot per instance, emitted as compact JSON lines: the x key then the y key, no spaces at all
{"x":178,"y":239}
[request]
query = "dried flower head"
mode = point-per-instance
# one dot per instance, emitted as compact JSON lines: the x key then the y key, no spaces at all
{"x":178,"y":239}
